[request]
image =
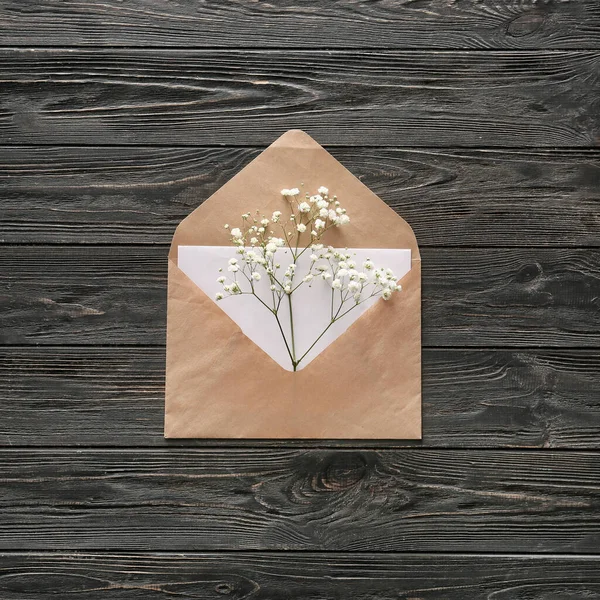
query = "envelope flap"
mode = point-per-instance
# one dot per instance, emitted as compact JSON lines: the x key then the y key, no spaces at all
{"x":295,"y":159}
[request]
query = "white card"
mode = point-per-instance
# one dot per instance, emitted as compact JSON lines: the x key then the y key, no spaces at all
{"x":311,"y":306}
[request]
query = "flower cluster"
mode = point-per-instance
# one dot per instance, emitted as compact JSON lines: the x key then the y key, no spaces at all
{"x":351,"y":280}
{"x":263,"y":241}
{"x":314,"y":214}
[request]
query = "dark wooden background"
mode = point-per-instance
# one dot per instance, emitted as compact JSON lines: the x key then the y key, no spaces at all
{"x":478,"y":121}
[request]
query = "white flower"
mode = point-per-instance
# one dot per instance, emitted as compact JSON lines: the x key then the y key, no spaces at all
{"x":218,"y":296}
{"x":226,"y":226}
{"x":236,"y":232}
{"x":227,"y":288}
{"x":323,"y":213}
{"x":316,"y":247}
{"x":351,"y":264}
{"x":304,"y":207}
{"x":261,"y":230}
{"x":342,"y":265}
{"x":233,"y":268}
{"x":386,"y":294}
{"x":276,"y":216}
{"x":322,"y":203}
{"x":315,"y":198}
{"x":342,"y":273}
{"x":256,"y":276}
{"x":362,"y":277}
{"x":233,"y":261}
{"x":368,"y":265}
{"x":264,"y":222}
{"x":294,"y":192}
{"x":332,"y":214}
{"x":336,"y":284}
{"x":221,"y":280}
{"x":323,"y":190}
{"x":344,"y":219}
{"x":301,"y":227}
{"x":319,"y":224}
{"x":271,"y":247}
{"x":287,"y":289}
{"x":325,"y":275}
{"x":292,"y":267}
{"x":253,"y":241}
{"x":307,"y":278}
{"x":286,"y":192}
{"x":354,"y":286}
{"x":314,"y":233}
{"x":273,"y":288}
{"x":314,"y":257}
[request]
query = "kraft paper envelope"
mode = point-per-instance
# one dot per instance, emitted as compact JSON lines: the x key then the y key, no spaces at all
{"x":366,"y":384}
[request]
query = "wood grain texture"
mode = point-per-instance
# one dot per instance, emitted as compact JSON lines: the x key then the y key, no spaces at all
{"x":294,"y":23}
{"x":134,"y":195}
{"x":471,"y":399}
{"x":367,"y":98}
{"x":269,"y":499}
{"x":475,"y":298}
{"x":309,"y":576}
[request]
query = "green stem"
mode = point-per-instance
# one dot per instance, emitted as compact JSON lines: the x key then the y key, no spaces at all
{"x":332,"y":292}
{"x":294,"y":362}
{"x":284,"y":339}
{"x":334,"y":320}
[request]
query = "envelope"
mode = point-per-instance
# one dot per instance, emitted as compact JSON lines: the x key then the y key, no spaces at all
{"x":366,"y":384}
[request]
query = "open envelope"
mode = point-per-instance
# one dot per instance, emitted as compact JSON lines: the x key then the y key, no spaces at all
{"x":365,"y":384}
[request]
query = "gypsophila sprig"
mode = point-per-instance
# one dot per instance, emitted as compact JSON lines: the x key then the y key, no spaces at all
{"x":298,"y":229}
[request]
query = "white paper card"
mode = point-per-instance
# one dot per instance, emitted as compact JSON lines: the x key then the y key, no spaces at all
{"x":311,"y":306}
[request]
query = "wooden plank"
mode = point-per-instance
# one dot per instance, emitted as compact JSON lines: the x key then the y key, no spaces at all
{"x":471,"y":398}
{"x":132,"y":195}
{"x":475,"y":298}
{"x":241,"y":23}
{"x":368,"y":98}
{"x":270,"y":499}
{"x":310,"y":576}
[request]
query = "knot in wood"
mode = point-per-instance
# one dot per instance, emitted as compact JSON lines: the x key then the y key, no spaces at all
{"x":529,"y":273}
{"x":526,"y":24}
{"x":224,"y":588}
{"x":342,"y":471}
